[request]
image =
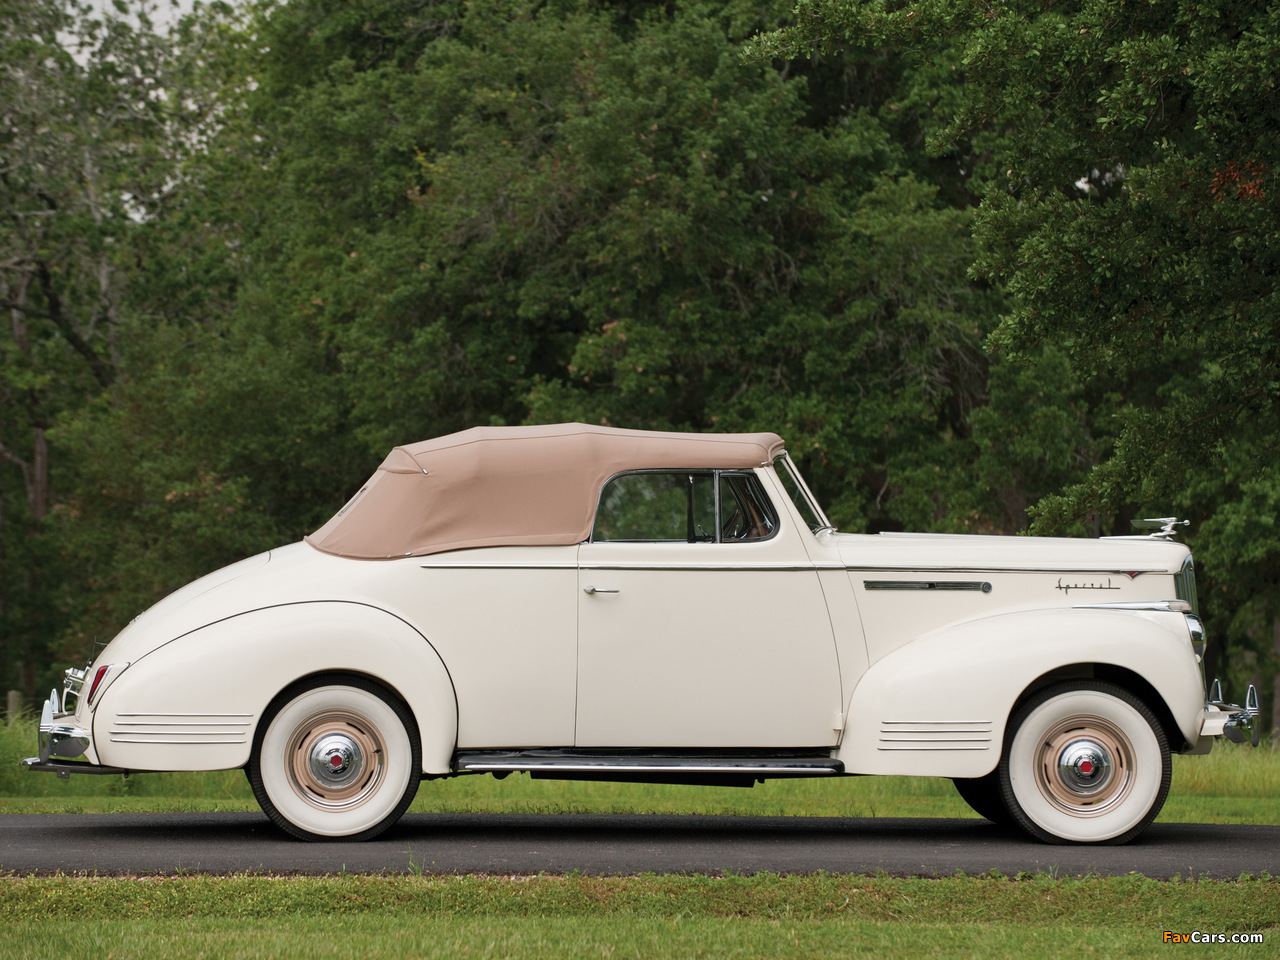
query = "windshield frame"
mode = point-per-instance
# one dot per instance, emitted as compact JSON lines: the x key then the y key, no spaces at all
{"x":805,"y":503}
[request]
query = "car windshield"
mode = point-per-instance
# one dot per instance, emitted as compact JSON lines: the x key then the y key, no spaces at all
{"x":799,"y":493}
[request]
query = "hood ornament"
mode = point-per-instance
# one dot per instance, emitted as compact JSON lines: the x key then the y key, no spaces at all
{"x":1162,"y":528}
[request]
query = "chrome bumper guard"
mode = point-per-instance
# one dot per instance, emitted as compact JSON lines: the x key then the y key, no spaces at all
{"x":60,"y":740}
{"x":1238,"y":724}
{"x":59,"y":736}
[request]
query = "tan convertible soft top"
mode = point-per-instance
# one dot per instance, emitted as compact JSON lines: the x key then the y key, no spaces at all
{"x":507,"y":486}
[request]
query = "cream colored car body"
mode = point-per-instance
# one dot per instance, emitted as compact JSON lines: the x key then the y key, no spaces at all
{"x":771,"y":644}
{"x":887,"y":654}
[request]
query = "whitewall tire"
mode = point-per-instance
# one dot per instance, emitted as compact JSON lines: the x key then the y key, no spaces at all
{"x":336,"y":758}
{"x":1084,"y":762}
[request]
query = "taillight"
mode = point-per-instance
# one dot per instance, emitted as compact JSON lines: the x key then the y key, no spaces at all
{"x":98,"y":676}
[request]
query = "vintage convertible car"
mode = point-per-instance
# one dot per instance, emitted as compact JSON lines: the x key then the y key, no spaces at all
{"x":582,"y":602}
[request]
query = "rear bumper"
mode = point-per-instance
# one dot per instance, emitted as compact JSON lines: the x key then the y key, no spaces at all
{"x":60,"y":737}
{"x":62,"y":742}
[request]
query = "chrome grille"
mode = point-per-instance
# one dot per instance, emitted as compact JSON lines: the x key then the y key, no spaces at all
{"x":1185,"y":584}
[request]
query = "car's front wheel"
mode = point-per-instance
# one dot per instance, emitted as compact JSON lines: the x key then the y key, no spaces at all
{"x":336,"y":758}
{"x":1084,"y":762}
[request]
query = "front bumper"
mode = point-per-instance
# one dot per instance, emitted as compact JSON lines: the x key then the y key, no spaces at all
{"x":1238,"y":724}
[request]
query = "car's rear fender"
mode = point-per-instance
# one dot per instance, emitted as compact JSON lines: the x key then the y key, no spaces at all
{"x":938,"y":706}
{"x":194,"y":703}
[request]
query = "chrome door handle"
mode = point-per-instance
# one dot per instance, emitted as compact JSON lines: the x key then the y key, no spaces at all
{"x":589,"y":590}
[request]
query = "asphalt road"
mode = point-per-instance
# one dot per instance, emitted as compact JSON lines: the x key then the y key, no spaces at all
{"x":619,"y":845}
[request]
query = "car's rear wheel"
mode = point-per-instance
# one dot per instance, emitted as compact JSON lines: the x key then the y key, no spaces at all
{"x":336,"y":758}
{"x":1084,"y":762}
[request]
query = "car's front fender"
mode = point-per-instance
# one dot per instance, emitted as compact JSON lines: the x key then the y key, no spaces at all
{"x":938,"y":706}
{"x":195,"y":702}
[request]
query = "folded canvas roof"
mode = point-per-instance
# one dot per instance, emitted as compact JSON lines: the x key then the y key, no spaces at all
{"x":507,"y":486}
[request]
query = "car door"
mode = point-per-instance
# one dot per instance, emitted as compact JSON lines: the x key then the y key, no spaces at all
{"x":701,"y":622}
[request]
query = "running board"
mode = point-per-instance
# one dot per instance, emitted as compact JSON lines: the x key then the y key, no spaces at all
{"x":724,"y":769}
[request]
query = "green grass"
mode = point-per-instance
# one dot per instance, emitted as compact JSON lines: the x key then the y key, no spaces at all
{"x":575,"y":916}
{"x":1231,"y":785}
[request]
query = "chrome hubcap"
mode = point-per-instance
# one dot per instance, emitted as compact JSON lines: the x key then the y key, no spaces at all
{"x":1084,"y":766}
{"x":335,"y":760}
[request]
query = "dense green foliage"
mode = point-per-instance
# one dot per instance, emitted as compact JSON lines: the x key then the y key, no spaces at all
{"x":242,"y":258}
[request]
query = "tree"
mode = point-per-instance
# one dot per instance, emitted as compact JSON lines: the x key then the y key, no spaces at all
{"x":83,"y":105}
{"x":509,"y":210}
{"x":112,"y":276}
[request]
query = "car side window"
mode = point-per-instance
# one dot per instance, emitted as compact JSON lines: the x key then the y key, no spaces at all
{"x":689,"y":506}
{"x":745,"y":512}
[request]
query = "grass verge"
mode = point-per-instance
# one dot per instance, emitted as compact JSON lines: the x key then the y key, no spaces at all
{"x":766,"y":915}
